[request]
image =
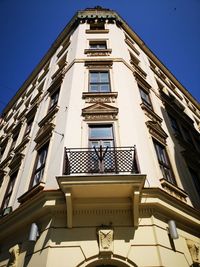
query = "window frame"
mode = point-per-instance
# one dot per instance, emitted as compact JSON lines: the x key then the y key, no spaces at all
{"x":148,"y":102}
{"x":164,"y":162}
{"x":99,"y":83}
{"x":39,"y":169}
{"x":98,"y":43}
{"x":54,"y":102}
{"x":9,"y":190}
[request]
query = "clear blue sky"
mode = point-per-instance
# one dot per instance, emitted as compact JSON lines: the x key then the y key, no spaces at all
{"x":170,"y":28}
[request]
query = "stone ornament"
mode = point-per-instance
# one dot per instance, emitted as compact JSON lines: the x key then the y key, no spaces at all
{"x":194,"y":250}
{"x":105,"y":237}
{"x":14,"y":255}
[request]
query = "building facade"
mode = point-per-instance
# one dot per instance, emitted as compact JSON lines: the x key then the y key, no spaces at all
{"x":99,"y":162}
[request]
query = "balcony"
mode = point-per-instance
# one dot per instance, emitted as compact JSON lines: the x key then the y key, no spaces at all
{"x":99,"y":160}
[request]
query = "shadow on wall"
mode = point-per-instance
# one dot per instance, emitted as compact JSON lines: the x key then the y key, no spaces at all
{"x":185,"y":154}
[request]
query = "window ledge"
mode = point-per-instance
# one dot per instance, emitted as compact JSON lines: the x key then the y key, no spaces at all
{"x":98,"y":52}
{"x":150,"y":113}
{"x":138,"y":69}
{"x":174,"y":190}
{"x":108,"y":97}
{"x":30,"y":193}
{"x":97,"y":31}
{"x":49,"y":116}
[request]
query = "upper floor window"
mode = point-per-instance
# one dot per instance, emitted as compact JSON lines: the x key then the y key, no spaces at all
{"x":164,"y":162}
{"x":145,"y":97}
{"x":196,"y":180}
{"x":97,"y":26}
{"x":2,"y":149}
{"x":39,"y":165}
{"x":101,"y":135}
{"x":29,"y":126}
{"x":54,"y":99}
{"x":175,"y":125}
{"x":99,"y":81}
{"x":9,"y":191}
{"x":97,"y":45}
{"x":14,"y":140}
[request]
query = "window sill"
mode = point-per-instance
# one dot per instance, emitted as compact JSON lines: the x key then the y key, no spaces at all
{"x":49,"y":116}
{"x":98,"y":52}
{"x":138,"y":69}
{"x":150,"y":113}
{"x":108,"y":97}
{"x":30,"y":193}
{"x":174,"y":190}
{"x":97,"y":31}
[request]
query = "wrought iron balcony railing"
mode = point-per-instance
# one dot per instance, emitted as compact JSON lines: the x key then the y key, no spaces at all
{"x":100,"y":160}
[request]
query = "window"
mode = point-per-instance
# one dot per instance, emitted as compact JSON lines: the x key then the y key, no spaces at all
{"x":2,"y":149}
{"x":40,"y":165}
{"x":164,"y":162}
{"x":99,"y":81}
{"x":97,"y":45}
{"x":101,"y":139}
{"x":134,"y":59}
{"x":187,"y":136}
{"x":54,"y":99}
{"x":97,"y":26}
{"x":14,"y":141}
{"x":29,"y":126}
{"x":145,"y":97}
{"x":175,"y":125}
{"x":101,"y":135}
{"x":196,"y":180}
{"x":9,"y":190}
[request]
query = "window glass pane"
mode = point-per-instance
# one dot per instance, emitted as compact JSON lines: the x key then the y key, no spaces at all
{"x":94,"y":88}
{"x":104,"y":88}
{"x":101,"y":132}
{"x":104,"y":77}
{"x":94,"y":77}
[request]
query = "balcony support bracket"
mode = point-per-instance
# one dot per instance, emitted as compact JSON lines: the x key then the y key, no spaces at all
{"x":136,"y":200}
{"x":68,"y":197}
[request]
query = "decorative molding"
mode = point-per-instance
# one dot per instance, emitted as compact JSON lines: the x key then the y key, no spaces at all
{"x":49,"y":117}
{"x":32,"y":192}
{"x":44,"y":133}
{"x":132,"y":46}
{"x":151,"y":114}
{"x":194,"y":249}
{"x":22,"y":145}
{"x":99,"y":97}
{"x":97,"y":64}
{"x":138,"y":70}
{"x":105,"y":240}
{"x":140,"y":80}
{"x":97,"y":52}
{"x":156,"y":131}
{"x":97,"y":31}
{"x":15,"y":162}
{"x":14,"y":255}
{"x":100,"y":111}
{"x":174,"y":190}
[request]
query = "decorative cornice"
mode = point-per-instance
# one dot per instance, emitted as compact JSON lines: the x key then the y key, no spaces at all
{"x":174,"y":190}
{"x":100,"y":111}
{"x":99,"y":97}
{"x":49,"y":117}
{"x":151,"y":114}
{"x":97,"y":52}
{"x":97,"y":31}
{"x":156,"y":131}
{"x":98,"y":63}
{"x":44,"y":133}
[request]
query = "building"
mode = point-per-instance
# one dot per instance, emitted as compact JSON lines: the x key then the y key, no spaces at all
{"x":100,"y":156}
